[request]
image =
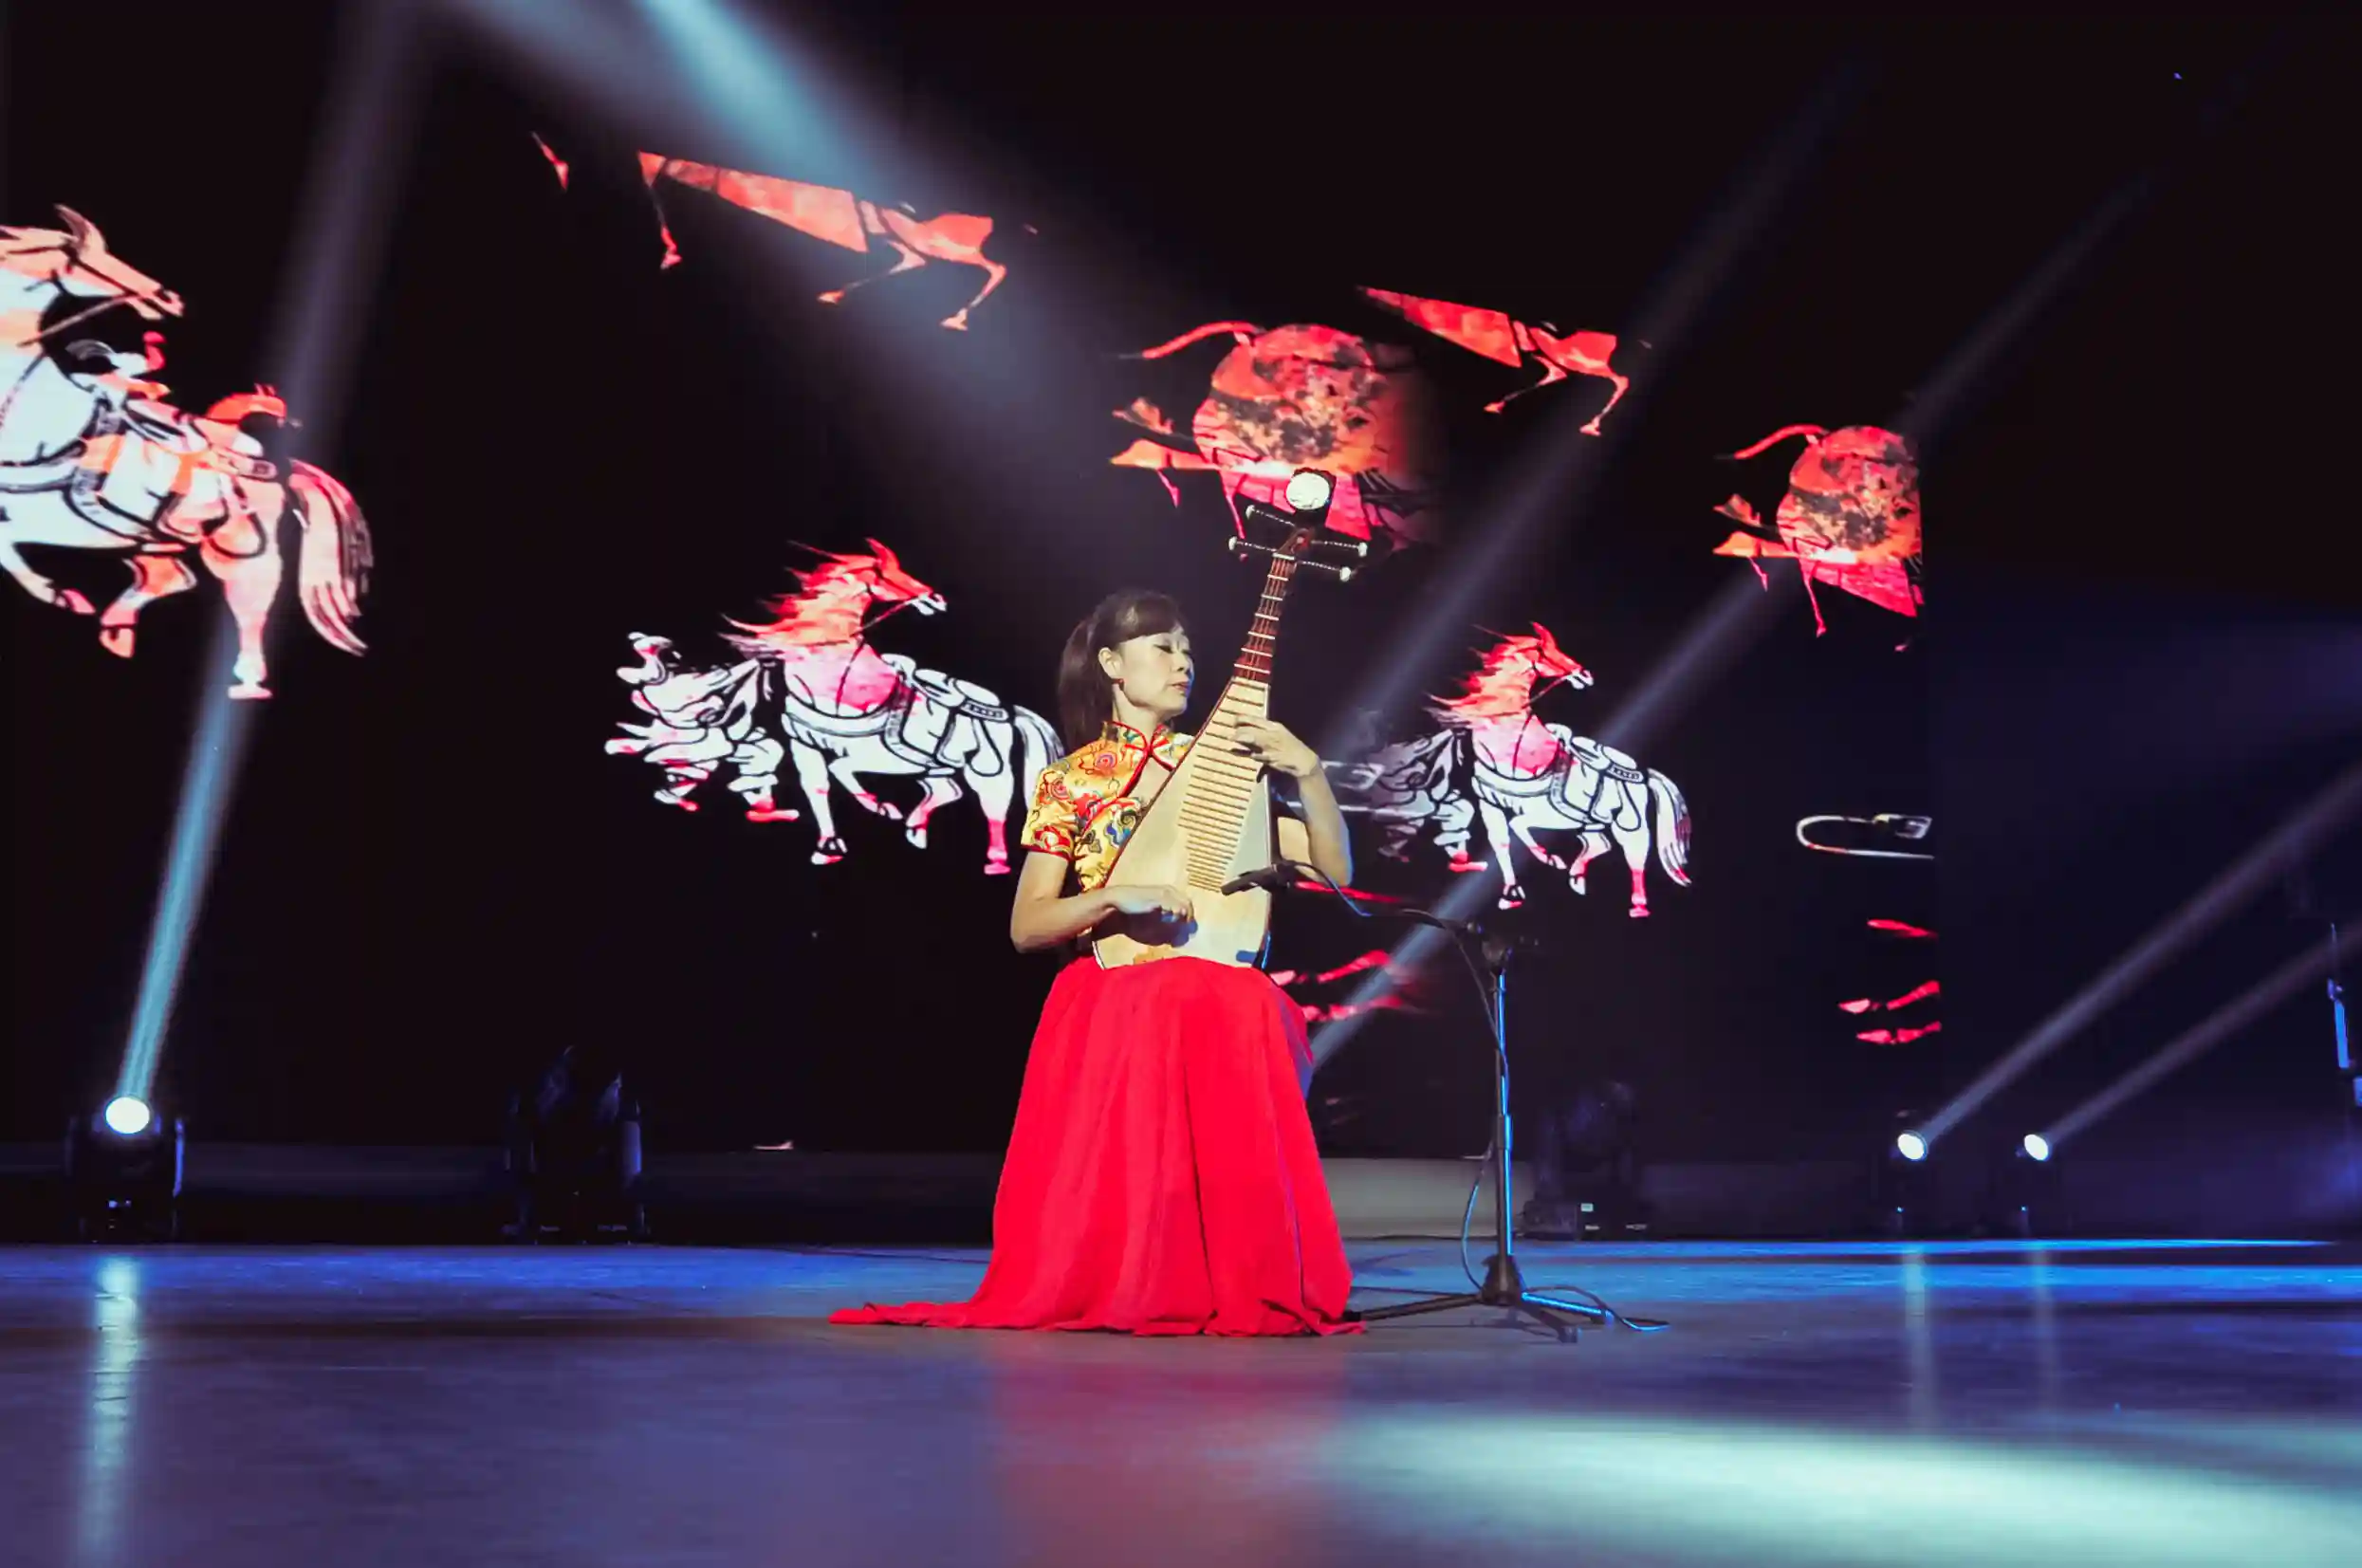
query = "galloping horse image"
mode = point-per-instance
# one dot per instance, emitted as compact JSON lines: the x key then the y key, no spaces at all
{"x":1496,"y":763}
{"x":1502,"y":338}
{"x":845,"y":713}
{"x":839,"y":216}
{"x":96,"y":459}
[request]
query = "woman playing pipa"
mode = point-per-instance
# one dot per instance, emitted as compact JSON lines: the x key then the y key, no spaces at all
{"x":1161,"y":1177}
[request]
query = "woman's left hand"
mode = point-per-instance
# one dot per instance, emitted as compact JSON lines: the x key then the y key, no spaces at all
{"x":1273,"y":746}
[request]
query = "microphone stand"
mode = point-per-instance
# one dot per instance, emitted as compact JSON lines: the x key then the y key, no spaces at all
{"x":1487,"y":954}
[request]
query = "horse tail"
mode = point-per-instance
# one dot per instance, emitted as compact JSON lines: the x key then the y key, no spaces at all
{"x":1672,"y":827}
{"x":1042,"y":747}
{"x":1810,"y":433}
{"x":333,"y":570}
{"x":1242,"y":331}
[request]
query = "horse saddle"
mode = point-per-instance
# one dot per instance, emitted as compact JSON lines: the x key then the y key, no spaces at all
{"x":1501,"y":781}
{"x":1606,"y":759}
{"x":804,"y":714}
{"x":69,"y":465}
{"x":34,"y":474}
{"x":185,"y":435}
{"x":950,"y":691}
{"x":940,"y":722}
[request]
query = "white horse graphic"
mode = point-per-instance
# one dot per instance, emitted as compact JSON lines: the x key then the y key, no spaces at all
{"x":94,"y":460}
{"x":845,"y":715}
{"x":1496,"y":763}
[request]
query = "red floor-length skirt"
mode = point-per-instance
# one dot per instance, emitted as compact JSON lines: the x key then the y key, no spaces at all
{"x":1161,"y":1177}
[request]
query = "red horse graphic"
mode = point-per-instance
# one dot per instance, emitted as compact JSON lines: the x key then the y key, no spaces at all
{"x":1498,"y":336}
{"x":1850,"y":519}
{"x":837,"y":217}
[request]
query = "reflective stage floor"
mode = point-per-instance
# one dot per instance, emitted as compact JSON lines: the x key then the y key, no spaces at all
{"x":2143,"y":1403}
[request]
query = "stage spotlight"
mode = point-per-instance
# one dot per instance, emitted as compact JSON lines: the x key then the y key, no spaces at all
{"x":1903,"y":1185}
{"x":1586,"y":1167}
{"x":123,"y":1169}
{"x":2026,"y":1196}
{"x":574,"y":1152}
{"x":128,"y":1114}
{"x":1309,"y":490}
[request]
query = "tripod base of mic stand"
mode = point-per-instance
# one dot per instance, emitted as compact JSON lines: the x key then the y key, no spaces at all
{"x":1504,"y":1287}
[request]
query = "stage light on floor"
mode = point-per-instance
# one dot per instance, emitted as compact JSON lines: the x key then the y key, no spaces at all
{"x":350,"y":186}
{"x":2025,"y":1195}
{"x":124,"y":1168}
{"x":1904,"y":1185}
{"x":574,"y":1152}
{"x":1586,"y":1163}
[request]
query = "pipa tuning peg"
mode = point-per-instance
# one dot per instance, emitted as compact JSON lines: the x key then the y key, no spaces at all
{"x":1358,"y":548}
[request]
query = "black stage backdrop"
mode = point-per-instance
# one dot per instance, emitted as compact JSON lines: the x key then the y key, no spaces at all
{"x":432,"y":878}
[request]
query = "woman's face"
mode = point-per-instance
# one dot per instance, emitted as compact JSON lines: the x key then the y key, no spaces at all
{"x":1151,"y":674}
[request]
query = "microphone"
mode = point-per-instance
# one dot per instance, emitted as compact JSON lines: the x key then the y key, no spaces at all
{"x":1275,"y":877}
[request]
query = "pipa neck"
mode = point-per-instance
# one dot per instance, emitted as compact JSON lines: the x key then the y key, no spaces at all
{"x":1251,"y":674}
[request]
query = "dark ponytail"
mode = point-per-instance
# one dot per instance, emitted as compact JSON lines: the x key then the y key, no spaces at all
{"x":1086,"y":699}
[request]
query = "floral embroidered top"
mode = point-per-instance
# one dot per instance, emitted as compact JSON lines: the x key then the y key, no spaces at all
{"x":1087,"y":804}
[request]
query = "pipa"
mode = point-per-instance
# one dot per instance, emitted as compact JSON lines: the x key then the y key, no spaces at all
{"x":1212,"y":821}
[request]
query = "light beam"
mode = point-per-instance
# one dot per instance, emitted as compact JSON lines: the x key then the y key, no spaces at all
{"x":223,"y":726}
{"x":1733,"y":620}
{"x":2233,"y":1016}
{"x":1559,"y":473}
{"x":706,"y":72}
{"x":1561,"y":464}
{"x":2253,"y":870}
{"x":346,"y":201}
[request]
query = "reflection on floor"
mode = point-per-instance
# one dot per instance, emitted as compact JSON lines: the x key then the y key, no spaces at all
{"x":2136,"y":1403}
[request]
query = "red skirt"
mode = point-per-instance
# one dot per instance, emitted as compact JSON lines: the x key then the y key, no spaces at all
{"x":1161,"y":1177}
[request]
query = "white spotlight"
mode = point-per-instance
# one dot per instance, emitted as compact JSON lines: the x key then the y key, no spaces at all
{"x":1910,"y":1146}
{"x":1309,"y":490}
{"x":2036,"y":1146}
{"x":128,"y":1114}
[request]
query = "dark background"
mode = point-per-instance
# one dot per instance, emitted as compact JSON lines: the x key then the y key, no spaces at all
{"x":2138,"y":653}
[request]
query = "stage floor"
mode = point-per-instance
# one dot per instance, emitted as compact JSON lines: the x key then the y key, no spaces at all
{"x":2143,"y":1403}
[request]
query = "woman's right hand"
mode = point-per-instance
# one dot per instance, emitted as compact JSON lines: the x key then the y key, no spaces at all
{"x":1149,"y":899}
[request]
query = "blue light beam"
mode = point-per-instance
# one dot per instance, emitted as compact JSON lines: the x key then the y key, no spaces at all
{"x":1555,"y":477}
{"x":2200,"y":1038}
{"x":355,"y":171}
{"x":223,"y":731}
{"x":2254,"y":869}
